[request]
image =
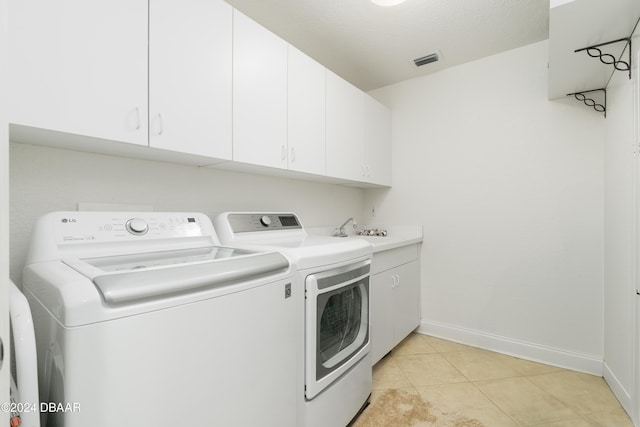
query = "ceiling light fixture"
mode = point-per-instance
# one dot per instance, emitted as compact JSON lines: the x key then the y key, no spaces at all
{"x":387,"y":2}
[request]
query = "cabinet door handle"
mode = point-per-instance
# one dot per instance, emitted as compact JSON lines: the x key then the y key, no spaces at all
{"x":136,"y":119}
{"x":363,"y":170}
{"x":159,"y":125}
{"x":368,"y":169}
{"x":396,"y":281}
{"x":138,"y":122}
{"x":283,"y":153}
{"x":293,"y":155}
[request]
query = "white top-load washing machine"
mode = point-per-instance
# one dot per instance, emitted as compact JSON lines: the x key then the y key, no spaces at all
{"x":331,"y":292}
{"x":142,"y":319}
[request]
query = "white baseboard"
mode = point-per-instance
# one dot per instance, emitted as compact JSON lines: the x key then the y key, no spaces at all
{"x":588,"y":363}
{"x":616,"y":387}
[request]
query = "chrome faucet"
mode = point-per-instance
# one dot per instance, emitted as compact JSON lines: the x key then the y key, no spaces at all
{"x":340,"y":231}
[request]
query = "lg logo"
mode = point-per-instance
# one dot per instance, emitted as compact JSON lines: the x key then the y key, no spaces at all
{"x":65,"y":220}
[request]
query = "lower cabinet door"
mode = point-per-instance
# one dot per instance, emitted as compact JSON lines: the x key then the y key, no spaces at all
{"x":406,"y":300}
{"x":381,"y":314}
{"x":395,"y":307}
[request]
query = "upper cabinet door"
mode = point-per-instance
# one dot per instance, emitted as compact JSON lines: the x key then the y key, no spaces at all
{"x":190,"y":76}
{"x":306,"y":114}
{"x":80,"y":67}
{"x":377,"y":142}
{"x":345,"y":125}
{"x":259,"y":94}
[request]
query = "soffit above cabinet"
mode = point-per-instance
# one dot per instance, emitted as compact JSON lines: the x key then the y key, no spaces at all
{"x":575,"y":24}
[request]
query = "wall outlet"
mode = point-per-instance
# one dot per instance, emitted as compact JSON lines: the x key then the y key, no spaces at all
{"x":373,"y":211}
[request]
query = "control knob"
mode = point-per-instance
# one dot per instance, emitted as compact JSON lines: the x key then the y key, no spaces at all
{"x":137,"y":226}
{"x":265,"y":220}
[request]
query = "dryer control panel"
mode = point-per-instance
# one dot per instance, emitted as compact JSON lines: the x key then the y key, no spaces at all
{"x":251,"y":222}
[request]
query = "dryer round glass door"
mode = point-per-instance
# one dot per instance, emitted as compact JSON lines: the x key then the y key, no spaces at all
{"x":337,"y":325}
{"x":341,"y":326}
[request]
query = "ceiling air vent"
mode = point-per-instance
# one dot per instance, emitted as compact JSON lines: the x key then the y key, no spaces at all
{"x":432,"y":57}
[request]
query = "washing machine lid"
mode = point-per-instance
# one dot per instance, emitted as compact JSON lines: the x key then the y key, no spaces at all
{"x":124,"y":278}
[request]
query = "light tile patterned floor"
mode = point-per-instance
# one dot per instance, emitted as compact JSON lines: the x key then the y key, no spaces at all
{"x":427,"y":381}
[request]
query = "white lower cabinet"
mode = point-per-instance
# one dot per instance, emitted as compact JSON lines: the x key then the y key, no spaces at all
{"x":381,"y":315}
{"x":395,"y":298}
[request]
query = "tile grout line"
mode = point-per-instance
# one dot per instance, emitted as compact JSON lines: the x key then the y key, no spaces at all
{"x":497,"y":406}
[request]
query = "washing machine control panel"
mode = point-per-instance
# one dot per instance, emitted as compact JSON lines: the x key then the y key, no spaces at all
{"x":107,"y":226}
{"x":137,"y":226}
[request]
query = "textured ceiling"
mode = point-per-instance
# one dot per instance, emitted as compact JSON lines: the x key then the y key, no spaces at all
{"x":373,"y":46}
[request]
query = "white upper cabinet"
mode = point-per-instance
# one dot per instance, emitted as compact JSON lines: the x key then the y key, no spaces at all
{"x":190,"y":76}
{"x":345,"y":126}
{"x":358,"y":134}
{"x":193,"y":82}
{"x":377,"y":142}
{"x":80,"y":67}
{"x":259,"y":94}
{"x":306,"y":114}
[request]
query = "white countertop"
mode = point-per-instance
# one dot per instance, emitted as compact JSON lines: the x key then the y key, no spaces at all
{"x":396,"y":237}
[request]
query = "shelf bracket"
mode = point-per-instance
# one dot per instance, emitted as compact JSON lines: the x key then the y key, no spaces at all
{"x":590,"y":102}
{"x":606,"y":58}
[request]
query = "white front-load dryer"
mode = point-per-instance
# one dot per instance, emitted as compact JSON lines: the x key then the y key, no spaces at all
{"x":332,"y":300}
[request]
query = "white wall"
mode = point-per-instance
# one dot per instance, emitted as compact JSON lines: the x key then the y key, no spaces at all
{"x":48,"y":179}
{"x":509,"y":189}
{"x":620,"y":258}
